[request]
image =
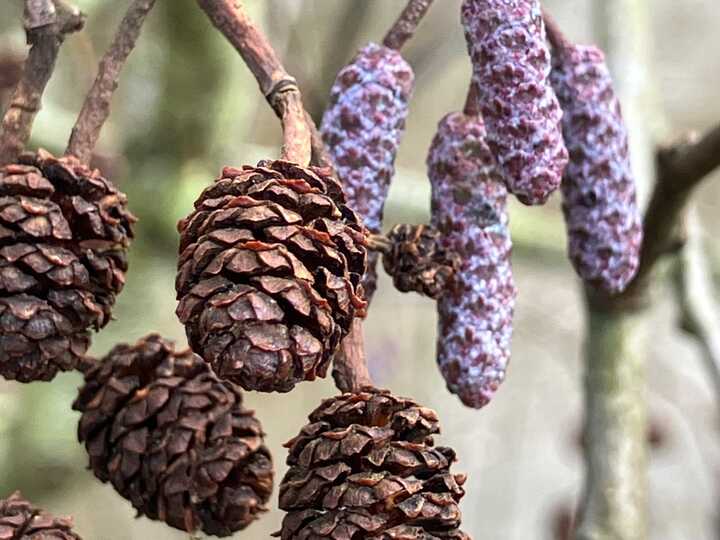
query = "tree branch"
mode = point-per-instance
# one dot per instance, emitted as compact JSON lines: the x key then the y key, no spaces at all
{"x":46,"y":25}
{"x":279,"y":88}
{"x":350,"y":365}
{"x":96,"y":108}
{"x":406,"y":24}
{"x":681,"y":169}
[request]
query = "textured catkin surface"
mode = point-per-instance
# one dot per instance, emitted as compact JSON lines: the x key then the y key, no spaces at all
{"x":64,"y":235}
{"x":21,"y":520}
{"x":469,"y":210}
{"x":366,"y":466}
{"x":363,"y":126}
{"x":601,"y":213}
{"x":173,"y":439}
{"x":511,"y":64}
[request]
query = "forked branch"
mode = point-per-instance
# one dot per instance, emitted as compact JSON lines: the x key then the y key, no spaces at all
{"x":47,"y":22}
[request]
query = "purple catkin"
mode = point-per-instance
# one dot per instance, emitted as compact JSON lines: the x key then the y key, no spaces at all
{"x":601,"y":213}
{"x":511,"y":65}
{"x":469,"y":209}
{"x":362,"y":128}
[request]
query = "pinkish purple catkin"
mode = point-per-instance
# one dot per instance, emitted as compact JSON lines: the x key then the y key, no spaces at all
{"x":511,"y":65}
{"x":362,"y":128}
{"x":602,"y":217}
{"x":469,"y":209}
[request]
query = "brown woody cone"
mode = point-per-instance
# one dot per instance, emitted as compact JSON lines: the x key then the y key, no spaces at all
{"x":64,"y":234}
{"x":20,"y":520}
{"x":366,"y":467}
{"x":417,"y":261}
{"x":269,"y":274}
{"x":173,"y":439}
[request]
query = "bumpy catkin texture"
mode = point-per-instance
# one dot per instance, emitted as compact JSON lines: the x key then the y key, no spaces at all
{"x":601,"y":213}
{"x":173,"y":439}
{"x":511,"y":65}
{"x":469,"y":209}
{"x":366,"y":467}
{"x":363,"y":126}
{"x":20,"y":520}
{"x":64,"y":235}
{"x":269,"y":274}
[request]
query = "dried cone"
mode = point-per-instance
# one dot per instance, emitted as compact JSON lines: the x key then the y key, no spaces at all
{"x":417,"y":261}
{"x":469,"y":209}
{"x":362,"y":127}
{"x":366,"y":467}
{"x":20,"y":520}
{"x":511,"y":61}
{"x":601,"y":213}
{"x":173,"y":439}
{"x":64,"y":234}
{"x":269,"y":274}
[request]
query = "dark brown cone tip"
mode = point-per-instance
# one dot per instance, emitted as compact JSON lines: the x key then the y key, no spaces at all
{"x":417,"y":261}
{"x":269,"y":274}
{"x":366,"y":467}
{"x":64,"y":234}
{"x":20,"y":520}
{"x":173,"y":439}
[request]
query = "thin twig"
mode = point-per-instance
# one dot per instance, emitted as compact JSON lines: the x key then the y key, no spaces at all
{"x":555,"y":35}
{"x":472,"y":101}
{"x":695,"y":294}
{"x":280,"y":89}
{"x":46,"y":25}
{"x":406,"y":24}
{"x":350,"y":365}
{"x":96,"y":108}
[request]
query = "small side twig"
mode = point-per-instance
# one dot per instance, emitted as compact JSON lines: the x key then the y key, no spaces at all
{"x":276,"y":84}
{"x":406,"y":24}
{"x":555,"y":35}
{"x":96,"y":108}
{"x":47,"y":23}
{"x":695,"y":294}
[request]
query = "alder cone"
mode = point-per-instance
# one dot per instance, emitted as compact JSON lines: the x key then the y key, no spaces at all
{"x":64,"y":234}
{"x":174,"y":439}
{"x":418,"y":262}
{"x":366,"y":467}
{"x":363,"y":127}
{"x":269,"y":274}
{"x":20,"y":520}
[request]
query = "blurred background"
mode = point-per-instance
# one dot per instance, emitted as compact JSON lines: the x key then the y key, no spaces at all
{"x":187,"y":106}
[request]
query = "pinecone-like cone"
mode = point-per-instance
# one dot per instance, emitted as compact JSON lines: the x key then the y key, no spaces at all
{"x":173,"y":439}
{"x":601,"y":213}
{"x":64,"y":234}
{"x":269,"y":274}
{"x":469,"y":209}
{"x":417,"y":261}
{"x":362,"y":127}
{"x":366,"y":467}
{"x":511,"y":60}
{"x":20,"y":520}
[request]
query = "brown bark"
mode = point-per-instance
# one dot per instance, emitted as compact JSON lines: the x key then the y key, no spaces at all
{"x":280,"y":89}
{"x":46,"y":25}
{"x":406,"y":24}
{"x":96,"y":108}
{"x":349,"y":365}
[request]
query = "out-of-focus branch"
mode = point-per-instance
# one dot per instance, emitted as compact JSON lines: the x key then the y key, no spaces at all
{"x":96,"y":108}
{"x":47,"y":22}
{"x":695,"y":293}
{"x":407,"y":23}
{"x":280,"y":89}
